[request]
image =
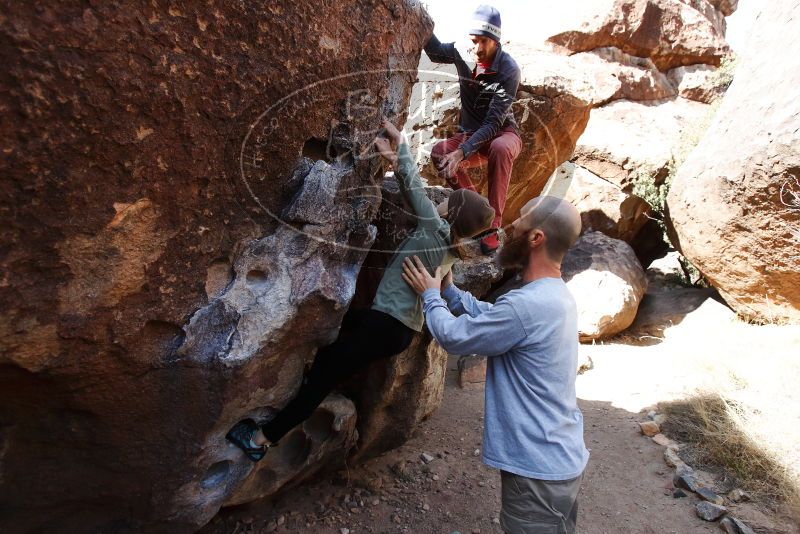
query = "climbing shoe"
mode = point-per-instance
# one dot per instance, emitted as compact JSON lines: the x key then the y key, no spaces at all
{"x":489,"y":244}
{"x":242,"y":434}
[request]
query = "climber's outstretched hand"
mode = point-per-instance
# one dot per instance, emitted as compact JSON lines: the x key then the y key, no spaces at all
{"x":385,"y":149}
{"x":396,"y":136}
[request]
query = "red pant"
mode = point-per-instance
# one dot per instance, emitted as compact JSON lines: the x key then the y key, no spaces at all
{"x":499,"y":153}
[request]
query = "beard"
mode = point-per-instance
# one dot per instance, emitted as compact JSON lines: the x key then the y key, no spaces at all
{"x":514,"y":253}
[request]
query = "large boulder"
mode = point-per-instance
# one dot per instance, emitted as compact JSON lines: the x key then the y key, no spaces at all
{"x":395,"y":396}
{"x":608,"y":284}
{"x":171,"y":260}
{"x":735,"y":203}
{"x":630,"y":77}
{"x":318,"y":441}
{"x":669,"y":32}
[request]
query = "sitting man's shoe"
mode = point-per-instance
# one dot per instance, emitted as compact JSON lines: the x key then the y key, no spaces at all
{"x":489,"y":244}
{"x":242,"y":434}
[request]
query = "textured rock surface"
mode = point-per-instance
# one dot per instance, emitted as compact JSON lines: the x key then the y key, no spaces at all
{"x":603,"y":206}
{"x":732,"y":525}
{"x":471,"y":372}
{"x":726,"y":7}
{"x":301,"y":453}
{"x":708,"y":511}
{"x":698,"y":82}
{"x":607,"y":282}
{"x":149,"y":298}
{"x":398,"y":394}
{"x":394,"y":396}
{"x":735,"y":202}
{"x":670,"y":32}
{"x":627,"y":139}
{"x":477,"y":274}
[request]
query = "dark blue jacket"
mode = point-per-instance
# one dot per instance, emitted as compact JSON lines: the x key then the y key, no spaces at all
{"x":486,"y":99}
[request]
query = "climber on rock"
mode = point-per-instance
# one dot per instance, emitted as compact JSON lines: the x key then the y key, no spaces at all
{"x":533,"y":428}
{"x":488,"y":131}
{"x":388,"y":326}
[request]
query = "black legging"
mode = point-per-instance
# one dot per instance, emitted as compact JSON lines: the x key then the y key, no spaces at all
{"x":365,"y":336}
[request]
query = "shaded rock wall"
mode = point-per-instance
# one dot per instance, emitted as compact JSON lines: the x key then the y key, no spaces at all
{"x":184,"y":211}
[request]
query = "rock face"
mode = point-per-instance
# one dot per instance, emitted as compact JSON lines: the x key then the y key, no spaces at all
{"x":170,"y":259}
{"x":735,"y":202}
{"x":698,"y":82}
{"x":397,"y":395}
{"x":471,"y":372}
{"x":301,"y":453}
{"x":607,"y":282}
{"x":669,"y":32}
{"x":631,"y":77}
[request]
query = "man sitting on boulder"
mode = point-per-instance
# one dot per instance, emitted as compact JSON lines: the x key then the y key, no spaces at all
{"x":388,"y":327}
{"x":488,"y":130}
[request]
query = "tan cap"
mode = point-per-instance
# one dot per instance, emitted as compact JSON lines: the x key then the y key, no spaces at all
{"x":469,"y":213}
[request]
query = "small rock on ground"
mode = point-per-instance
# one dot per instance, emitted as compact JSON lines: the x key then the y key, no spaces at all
{"x":739,"y":495}
{"x":731,"y":525}
{"x":709,"y":511}
{"x":707,"y":494}
{"x":649,"y":428}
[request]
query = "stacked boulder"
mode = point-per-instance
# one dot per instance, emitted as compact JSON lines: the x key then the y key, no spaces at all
{"x":656,"y":64}
{"x":664,"y":56}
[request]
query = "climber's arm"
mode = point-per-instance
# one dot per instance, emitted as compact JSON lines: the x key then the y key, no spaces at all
{"x":413,"y":190}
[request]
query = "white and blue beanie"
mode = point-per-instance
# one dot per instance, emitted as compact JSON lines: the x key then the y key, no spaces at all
{"x":486,"y":22}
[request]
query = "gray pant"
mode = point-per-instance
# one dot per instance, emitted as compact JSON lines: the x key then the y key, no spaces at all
{"x":532,"y":506}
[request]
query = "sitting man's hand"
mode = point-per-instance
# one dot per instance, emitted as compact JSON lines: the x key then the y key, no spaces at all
{"x":448,"y":165}
{"x":417,"y":276}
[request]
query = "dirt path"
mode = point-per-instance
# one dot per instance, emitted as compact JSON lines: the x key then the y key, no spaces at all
{"x":626,"y":488}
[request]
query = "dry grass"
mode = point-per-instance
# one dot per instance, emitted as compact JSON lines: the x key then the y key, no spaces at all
{"x":716,"y":429}
{"x":731,"y":389}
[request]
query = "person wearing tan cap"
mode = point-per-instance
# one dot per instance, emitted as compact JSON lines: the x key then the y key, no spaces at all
{"x":388,"y":326}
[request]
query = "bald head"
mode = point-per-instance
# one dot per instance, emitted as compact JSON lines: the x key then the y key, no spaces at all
{"x":557,"y":219}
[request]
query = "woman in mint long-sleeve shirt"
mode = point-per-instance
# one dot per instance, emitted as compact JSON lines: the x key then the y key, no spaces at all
{"x":388,"y":327}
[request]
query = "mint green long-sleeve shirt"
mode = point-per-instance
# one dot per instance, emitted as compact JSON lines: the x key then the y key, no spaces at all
{"x":430,"y":240}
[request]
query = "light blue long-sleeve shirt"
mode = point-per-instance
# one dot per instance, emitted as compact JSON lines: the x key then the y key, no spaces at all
{"x":532,"y":424}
